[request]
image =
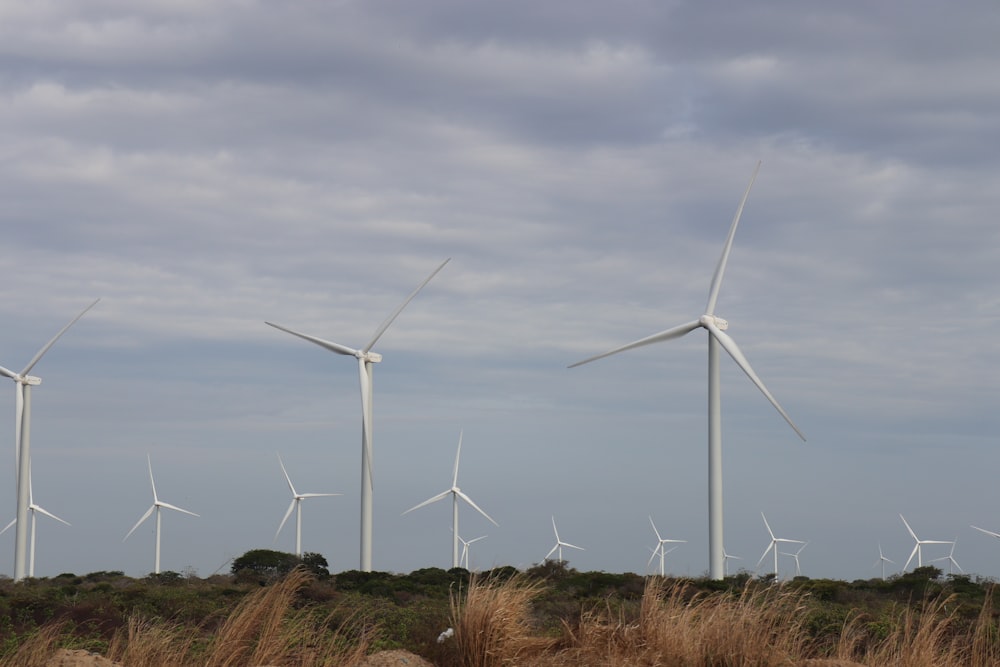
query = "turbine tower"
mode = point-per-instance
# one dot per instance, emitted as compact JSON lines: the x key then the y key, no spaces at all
{"x":455,"y":493}
{"x":660,"y":548}
{"x":365,"y":359}
{"x":917,"y":548}
{"x":157,"y":504}
{"x":773,"y":546}
{"x":560,"y":544}
{"x":296,"y":505}
{"x":23,"y":382}
{"x":716,"y":327}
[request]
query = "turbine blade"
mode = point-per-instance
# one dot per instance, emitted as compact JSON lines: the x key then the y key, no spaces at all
{"x":912,"y":534}
{"x":318,"y":495}
{"x":333,"y":347}
{"x":720,"y":269}
{"x":287,"y":478}
{"x":554,"y":529}
{"x":912,"y":554}
{"x":655,"y":530}
{"x":481,"y":537}
{"x":149,"y":462}
{"x":49,"y":514}
{"x":572,"y":546}
{"x":652,"y":556}
{"x":9,"y":373}
{"x":291,"y":508}
{"x":669,"y":334}
{"x":175,"y":508}
{"x":463,"y":496}
{"x":988,"y":532}
{"x":734,"y":351}
{"x":41,"y":352}
{"x":389,"y":320}
{"x":553,"y":550}
{"x":766,"y":552}
{"x":138,"y":523}
{"x":454,"y":479}
{"x":770,"y":532}
{"x":7,"y":527}
{"x":440,"y":496}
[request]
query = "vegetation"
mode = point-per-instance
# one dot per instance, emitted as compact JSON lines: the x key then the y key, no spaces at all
{"x":278,"y":610}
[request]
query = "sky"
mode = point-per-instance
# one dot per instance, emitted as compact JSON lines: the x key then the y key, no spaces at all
{"x":204,"y":167}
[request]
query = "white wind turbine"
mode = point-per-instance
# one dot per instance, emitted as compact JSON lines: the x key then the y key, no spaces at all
{"x":296,"y":505}
{"x":365,"y":359}
{"x":661,"y":549}
{"x":560,"y":544}
{"x":917,"y":548}
{"x":773,"y":546}
{"x":23,"y":382}
{"x":795,"y":556}
{"x":464,"y":561}
{"x":952,"y":563}
{"x":33,"y":509}
{"x":883,"y":560}
{"x":157,"y":504}
{"x":716,"y":327}
{"x":455,"y":494}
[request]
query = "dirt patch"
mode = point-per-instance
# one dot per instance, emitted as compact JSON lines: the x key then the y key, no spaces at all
{"x":394,"y":659}
{"x":79,"y":658}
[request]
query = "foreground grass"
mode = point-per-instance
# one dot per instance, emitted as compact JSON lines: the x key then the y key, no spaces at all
{"x":548,"y":616}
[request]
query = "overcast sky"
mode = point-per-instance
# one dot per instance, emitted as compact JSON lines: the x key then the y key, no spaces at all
{"x":205,"y":166}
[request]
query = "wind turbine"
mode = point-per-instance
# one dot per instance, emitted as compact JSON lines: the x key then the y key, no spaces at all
{"x":952,"y":563}
{"x":365,"y":359}
{"x":883,"y":560}
{"x":157,"y":504}
{"x":560,"y":544}
{"x":726,"y":558}
{"x":23,"y":382}
{"x":33,"y":509}
{"x":455,"y":493}
{"x":716,"y":327}
{"x":773,"y":546}
{"x":465,"y":550}
{"x":917,"y":551}
{"x":660,"y":547}
{"x":795,"y":555}
{"x":296,"y":505}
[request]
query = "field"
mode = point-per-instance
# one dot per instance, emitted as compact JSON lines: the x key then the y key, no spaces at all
{"x":549,"y":615}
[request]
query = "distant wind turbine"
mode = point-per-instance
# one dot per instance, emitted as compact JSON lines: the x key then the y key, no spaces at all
{"x":365,"y":359}
{"x":661,"y":542}
{"x":795,"y":555}
{"x":883,"y":560}
{"x":22,"y":444}
{"x":560,"y":544}
{"x":455,"y":494}
{"x":155,"y":507}
{"x":952,"y":563}
{"x":773,"y":546}
{"x":464,"y":561}
{"x":716,"y":327}
{"x":33,"y":509}
{"x":917,"y":548}
{"x":296,"y":505}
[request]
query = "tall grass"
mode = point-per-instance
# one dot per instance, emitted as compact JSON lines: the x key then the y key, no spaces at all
{"x":761,"y":626}
{"x":265,"y":629}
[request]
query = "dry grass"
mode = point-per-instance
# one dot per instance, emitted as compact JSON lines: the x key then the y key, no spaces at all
{"x":264,"y":629}
{"x":760,"y":627}
{"x":37,"y":650}
{"x":493,"y":623}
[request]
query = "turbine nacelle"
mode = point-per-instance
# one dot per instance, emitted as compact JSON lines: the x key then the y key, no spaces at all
{"x":371,"y":357}
{"x":718,"y":322}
